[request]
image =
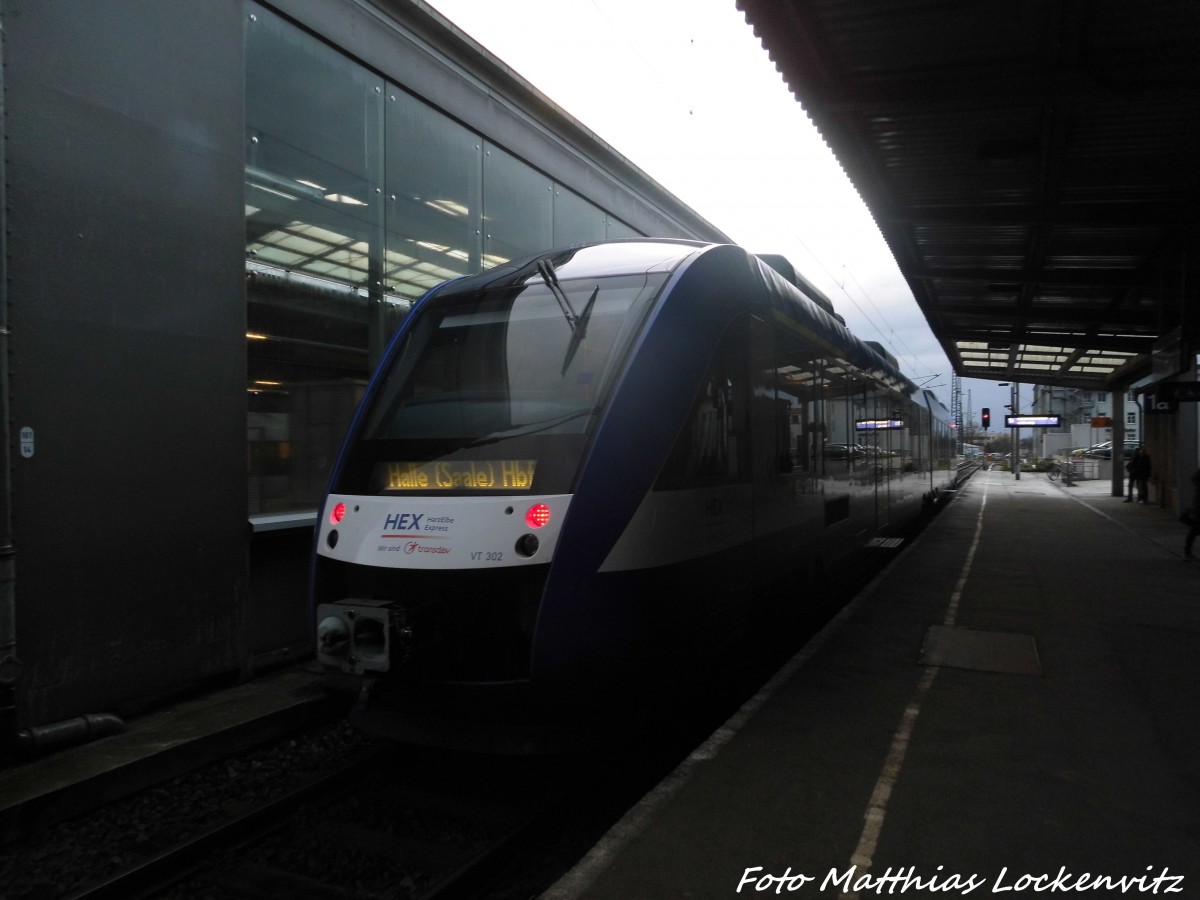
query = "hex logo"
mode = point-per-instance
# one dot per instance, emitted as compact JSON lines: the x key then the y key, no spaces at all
{"x":403,"y":522}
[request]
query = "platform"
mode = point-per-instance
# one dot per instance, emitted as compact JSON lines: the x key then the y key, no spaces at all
{"x":175,"y":739}
{"x":1012,"y":708}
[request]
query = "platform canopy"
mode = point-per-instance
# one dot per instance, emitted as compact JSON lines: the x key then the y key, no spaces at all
{"x":1033,"y":165}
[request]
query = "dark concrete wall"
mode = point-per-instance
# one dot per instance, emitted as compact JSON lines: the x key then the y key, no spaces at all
{"x":127,"y":308}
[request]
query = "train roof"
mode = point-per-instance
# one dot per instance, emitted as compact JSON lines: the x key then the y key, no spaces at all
{"x":829,"y":332}
{"x":630,"y":256}
{"x":784,"y":267}
{"x":812,"y":311}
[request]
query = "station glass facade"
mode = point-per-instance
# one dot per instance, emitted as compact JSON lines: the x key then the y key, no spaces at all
{"x":360,"y":197}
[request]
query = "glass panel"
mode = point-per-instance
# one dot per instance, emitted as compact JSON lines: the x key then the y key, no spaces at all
{"x":312,"y":160}
{"x":618,"y":230}
{"x":434,"y":169}
{"x":313,"y":216}
{"x":575,"y":220}
{"x":517,"y":208}
{"x":335,"y":253}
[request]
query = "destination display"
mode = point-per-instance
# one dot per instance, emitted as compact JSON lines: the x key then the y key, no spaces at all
{"x":456,"y":475}
{"x":1032,"y":421}
{"x":877,"y":424}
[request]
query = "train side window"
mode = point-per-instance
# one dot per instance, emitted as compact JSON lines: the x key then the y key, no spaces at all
{"x":713,"y":445}
{"x":799,"y":380}
{"x":838,"y":443}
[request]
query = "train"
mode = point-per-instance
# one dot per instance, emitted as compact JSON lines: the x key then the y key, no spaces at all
{"x":577,"y":471}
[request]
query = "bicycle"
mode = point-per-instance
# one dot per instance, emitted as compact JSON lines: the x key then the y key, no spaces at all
{"x":1065,"y":472}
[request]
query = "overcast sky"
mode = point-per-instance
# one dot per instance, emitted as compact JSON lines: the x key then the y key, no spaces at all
{"x":685,"y":91}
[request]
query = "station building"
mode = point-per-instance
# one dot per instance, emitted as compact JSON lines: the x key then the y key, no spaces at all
{"x":215,"y":215}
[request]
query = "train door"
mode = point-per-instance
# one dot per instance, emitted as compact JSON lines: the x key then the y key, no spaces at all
{"x":879,"y":435}
{"x":920,"y":449}
{"x":838,"y":447}
{"x":857,"y":409}
{"x":766,"y":460}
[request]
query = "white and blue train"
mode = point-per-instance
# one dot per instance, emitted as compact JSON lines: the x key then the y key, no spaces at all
{"x":571,"y":469}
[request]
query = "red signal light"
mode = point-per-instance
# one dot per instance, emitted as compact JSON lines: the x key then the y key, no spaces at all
{"x":338,"y":513}
{"x":537,"y":515}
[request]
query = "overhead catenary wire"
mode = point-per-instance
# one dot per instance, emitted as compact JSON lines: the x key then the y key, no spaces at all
{"x":887,"y":328}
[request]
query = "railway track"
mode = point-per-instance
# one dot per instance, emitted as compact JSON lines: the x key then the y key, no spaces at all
{"x":393,"y":822}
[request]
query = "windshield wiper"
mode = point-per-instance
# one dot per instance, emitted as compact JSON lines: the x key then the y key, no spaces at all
{"x":580,"y":331}
{"x":546,"y":270}
{"x":578,"y":323}
{"x":534,"y":427}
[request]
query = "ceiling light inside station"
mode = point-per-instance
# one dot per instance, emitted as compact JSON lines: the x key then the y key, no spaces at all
{"x":345,"y":198}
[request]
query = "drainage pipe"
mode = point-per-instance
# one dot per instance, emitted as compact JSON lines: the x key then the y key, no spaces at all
{"x":67,"y":733}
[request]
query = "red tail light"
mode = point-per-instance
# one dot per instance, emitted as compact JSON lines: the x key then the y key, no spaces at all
{"x":537,"y":515}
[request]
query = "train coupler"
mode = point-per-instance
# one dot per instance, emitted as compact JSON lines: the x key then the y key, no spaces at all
{"x":361,"y":636}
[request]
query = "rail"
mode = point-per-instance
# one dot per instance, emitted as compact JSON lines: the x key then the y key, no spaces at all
{"x":442,"y":834}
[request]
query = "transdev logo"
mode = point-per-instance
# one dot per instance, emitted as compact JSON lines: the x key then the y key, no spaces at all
{"x":413,"y":547}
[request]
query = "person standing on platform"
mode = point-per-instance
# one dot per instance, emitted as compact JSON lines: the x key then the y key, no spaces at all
{"x":1130,"y":466}
{"x":1192,"y":517}
{"x":1141,"y":473}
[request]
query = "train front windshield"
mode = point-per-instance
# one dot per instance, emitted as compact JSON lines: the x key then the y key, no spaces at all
{"x":496,"y":391}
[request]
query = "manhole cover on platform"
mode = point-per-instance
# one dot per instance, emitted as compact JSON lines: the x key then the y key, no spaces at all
{"x":986,"y":651}
{"x":885,"y":542}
